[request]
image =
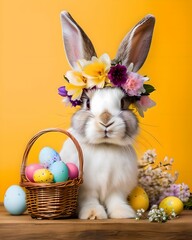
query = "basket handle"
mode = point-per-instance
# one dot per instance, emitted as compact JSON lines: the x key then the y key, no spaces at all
{"x":35,"y":137}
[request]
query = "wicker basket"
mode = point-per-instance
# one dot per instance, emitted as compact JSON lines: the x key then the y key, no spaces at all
{"x":51,"y":200}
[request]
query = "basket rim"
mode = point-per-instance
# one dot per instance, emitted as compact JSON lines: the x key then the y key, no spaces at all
{"x":68,"y":183}
{"x":26,"y":183}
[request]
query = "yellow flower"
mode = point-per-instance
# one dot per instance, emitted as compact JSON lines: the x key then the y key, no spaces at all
{"x":96,"y":71}
{"x":87,"y":74}
{"x":77,"y":82}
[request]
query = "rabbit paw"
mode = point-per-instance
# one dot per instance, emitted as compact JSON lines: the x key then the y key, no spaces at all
{"x":122,"y":211}
{"x":92,"y":212}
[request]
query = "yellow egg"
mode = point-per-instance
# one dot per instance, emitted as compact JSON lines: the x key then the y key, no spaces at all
{"x":43,"y":176}
{"x":139,"y":199}
{"x":171,"y":203}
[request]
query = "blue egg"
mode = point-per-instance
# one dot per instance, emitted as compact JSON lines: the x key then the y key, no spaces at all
{"x":60,"y":171}
{"x":48,"y":156}
{"x":15,"y":200}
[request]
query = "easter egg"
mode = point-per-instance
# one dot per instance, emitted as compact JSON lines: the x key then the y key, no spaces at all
{"x":73,"y":170}
{"x":60,"y":171}
{"x":30,"y":169}
{"x":15,"y":200}
{"x":170,"y":204}
{"x":48,"y":156}
{"x":139,"y":199}
{"x":43,"y":176}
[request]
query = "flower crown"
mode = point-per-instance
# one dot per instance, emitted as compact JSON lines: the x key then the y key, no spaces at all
{"x":102,"y":72}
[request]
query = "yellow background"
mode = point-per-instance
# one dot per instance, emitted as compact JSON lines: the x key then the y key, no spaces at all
{"x":32,"y":64}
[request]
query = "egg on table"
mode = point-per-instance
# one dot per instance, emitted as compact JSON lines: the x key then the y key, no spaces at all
{"x":139,"y":199}
{"x":170,"y":204}
{"x":15,"y":200}
{"x":60,"y":171}
{"x":43,"y":176}
{"x":48,"y":156}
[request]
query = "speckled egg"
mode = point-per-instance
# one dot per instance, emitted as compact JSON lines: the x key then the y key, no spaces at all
{"x":139,"y":199}
{"x":15,"y":200}
{"x":48,"y":156}
{"x":43,"y":176}
{"x":60,"y":171}
{"x":170,"y":204}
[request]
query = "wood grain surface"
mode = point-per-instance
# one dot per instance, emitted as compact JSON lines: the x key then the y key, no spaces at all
{"x":24,"y":227}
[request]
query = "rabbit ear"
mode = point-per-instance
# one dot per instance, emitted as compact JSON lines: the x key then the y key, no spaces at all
{"x":135,"y":46}
{"x":76,"y":42}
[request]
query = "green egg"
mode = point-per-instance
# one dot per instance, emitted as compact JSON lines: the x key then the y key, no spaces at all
{"x":60,"y":171}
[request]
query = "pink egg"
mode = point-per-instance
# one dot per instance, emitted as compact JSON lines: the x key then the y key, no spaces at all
{"x":30,"y":169}
{"x":73,"y":170}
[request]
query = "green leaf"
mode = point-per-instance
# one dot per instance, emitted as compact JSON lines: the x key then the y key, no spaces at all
{"x":148,"y":88}
{"x":188,"y":204}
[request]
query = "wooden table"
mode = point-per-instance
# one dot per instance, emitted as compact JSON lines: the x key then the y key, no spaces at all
{"x":24,"y":227}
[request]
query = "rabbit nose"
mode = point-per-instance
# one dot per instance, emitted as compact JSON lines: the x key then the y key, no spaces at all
{"x":105,"y":118}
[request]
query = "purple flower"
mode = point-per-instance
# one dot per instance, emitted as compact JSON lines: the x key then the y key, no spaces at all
{"x":67,"y":98}
{"x":118,"y":75}
{"x":74,"y":103}
{"x":62,"y":91}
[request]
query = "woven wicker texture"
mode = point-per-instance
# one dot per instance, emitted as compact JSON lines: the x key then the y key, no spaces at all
{"x":51,"y":200}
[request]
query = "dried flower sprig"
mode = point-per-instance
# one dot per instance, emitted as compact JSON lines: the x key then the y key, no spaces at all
{"x":157,"y":181}
{"x":154,"y":177}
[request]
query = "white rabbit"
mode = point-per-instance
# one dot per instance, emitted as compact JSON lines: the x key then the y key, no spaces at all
{"x":105,"y":127}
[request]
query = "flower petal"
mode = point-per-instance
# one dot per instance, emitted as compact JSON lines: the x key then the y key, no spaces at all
{"x":62,"y":91}
{"x":106,"y":60}
{"x":143,"y":104}
{"x":94,"y":69}
{"x":76,"y":78}
{"x":81,"y":63}
{"x":74,"y":91}
{"x":77,"y":94}
{"x":130,"y":67}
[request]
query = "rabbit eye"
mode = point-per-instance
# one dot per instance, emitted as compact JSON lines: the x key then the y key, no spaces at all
{"x":124,"y":104}
{"x":88,"y":104}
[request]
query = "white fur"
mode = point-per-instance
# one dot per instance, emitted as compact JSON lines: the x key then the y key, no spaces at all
{"x":104,"y":132}
{"x":110,"y":173}
{"x":110,"y":165}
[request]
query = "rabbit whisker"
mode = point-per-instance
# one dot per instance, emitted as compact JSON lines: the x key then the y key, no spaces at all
{"x":149,"y":125}
{"x":136,"y":141}
{"x":144,"y":139}
{"x":151,"y":136}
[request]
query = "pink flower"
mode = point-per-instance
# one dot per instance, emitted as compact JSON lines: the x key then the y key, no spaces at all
{"x":143,"y":104}
{"x":134,"y":84}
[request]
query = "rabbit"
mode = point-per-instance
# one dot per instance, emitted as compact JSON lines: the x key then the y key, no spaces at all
{"x":105,"y":127}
